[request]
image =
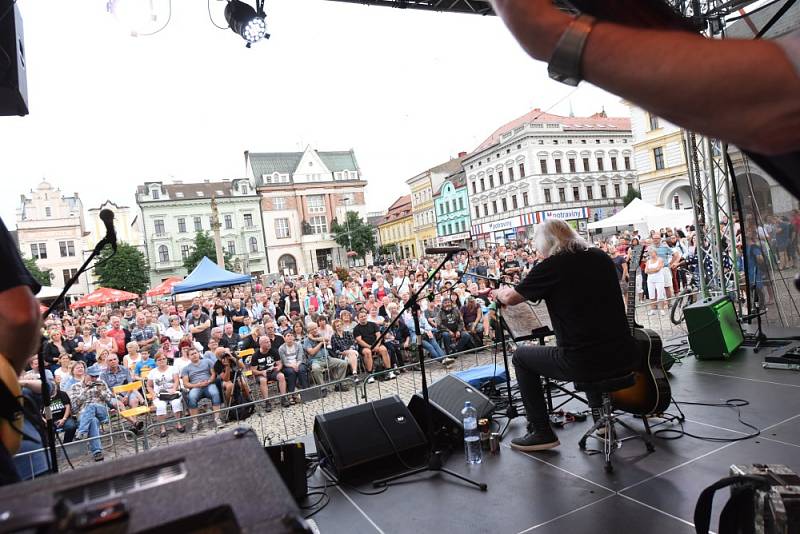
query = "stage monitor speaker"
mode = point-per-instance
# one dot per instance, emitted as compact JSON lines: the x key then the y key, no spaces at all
{"x":714,"y":329}
{"x":290,"y":461}
{"x":13,"y":66}
{"x":223,"y":483}
{"x":374,"y":439}
{"x":447,"y":396}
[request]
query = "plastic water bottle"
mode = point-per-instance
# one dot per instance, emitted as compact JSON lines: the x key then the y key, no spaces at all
{"x":472,"y":438}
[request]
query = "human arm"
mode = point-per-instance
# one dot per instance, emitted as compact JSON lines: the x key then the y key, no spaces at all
{"x":695,"y":83}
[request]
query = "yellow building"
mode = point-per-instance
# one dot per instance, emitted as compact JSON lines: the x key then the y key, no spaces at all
{"x":397,"y":232}
{"x":422,"y":187}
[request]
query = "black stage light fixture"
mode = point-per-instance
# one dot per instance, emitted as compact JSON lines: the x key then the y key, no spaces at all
{"x":249,"y":22}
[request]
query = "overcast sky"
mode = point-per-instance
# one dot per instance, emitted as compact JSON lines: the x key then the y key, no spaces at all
{"x":406,"y":89}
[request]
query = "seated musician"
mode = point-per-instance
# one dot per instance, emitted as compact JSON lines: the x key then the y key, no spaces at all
{"x":579,"y":285}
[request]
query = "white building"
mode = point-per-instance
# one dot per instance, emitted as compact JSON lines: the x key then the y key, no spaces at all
{"x":172,"y":215}
{"x":301,"y":194}
{"x":127,"y":225}
{"x":542,"y":166}
{"x":51,"y":230}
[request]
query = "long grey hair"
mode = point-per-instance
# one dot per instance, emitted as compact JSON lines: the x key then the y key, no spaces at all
{"x":555,"y":236}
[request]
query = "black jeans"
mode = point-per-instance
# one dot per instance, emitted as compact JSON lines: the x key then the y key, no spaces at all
{"x":532,"y":362}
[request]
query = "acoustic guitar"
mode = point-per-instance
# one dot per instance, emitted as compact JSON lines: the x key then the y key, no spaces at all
{"x":11,"y":418}
{"x":651,"y":392}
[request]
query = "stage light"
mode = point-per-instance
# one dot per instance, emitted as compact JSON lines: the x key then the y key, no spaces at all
{"x":247,"y":21}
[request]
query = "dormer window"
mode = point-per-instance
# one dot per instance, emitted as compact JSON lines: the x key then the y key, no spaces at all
{"x":155,"y":194}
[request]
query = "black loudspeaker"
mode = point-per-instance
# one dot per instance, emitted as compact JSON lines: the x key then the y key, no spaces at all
{"x":223,"y":483}
{"x":447,"y":396}
{"x":290,"y":461}
{"x":369,"y":440}
{"x":13,"y":76}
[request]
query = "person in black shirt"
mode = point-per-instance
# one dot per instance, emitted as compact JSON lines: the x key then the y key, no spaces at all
{"x":251,"y":341}
{"x":580,"y":288}
{"x":199,"y":325}
{"x":366,"y":333}
{"x":230,"y":338}
{"x":267,"y":367}
{"x":61,"y":410}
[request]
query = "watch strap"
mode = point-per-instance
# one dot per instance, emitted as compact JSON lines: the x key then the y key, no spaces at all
{"x":565,"y":62}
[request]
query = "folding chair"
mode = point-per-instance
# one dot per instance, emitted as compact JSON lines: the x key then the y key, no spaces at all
{"x":131,"y":412}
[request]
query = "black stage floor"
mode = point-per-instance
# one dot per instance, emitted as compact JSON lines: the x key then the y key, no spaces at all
{"x":566,"y":490}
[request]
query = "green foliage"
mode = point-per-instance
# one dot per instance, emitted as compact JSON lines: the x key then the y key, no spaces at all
{"x":631,"y":194}
{"x":126,"y":270}
{"x":41,"y":276}
{"x":204,"y":246}
{"x":355,"y":234}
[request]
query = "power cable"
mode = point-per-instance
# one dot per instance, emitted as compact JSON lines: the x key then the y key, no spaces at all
{"x":208,"y":5}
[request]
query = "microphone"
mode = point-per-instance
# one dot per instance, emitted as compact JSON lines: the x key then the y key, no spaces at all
{"x":444,"y":250}
{"x":107,"y":216}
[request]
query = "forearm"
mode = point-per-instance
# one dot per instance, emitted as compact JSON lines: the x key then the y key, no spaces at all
{"x":741,"y":91}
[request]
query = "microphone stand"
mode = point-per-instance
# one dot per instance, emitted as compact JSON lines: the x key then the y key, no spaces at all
{"x":48,"y":416}
{"x":511,"y":409}
{"x":435,"y":461}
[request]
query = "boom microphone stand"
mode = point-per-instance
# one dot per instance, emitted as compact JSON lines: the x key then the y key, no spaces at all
{"x":435,"y":461}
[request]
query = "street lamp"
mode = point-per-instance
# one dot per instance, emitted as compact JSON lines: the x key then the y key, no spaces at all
{"x":345,"y":201}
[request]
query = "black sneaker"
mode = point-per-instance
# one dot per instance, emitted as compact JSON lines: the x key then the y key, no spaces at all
{"x":536,"y":441}
{"x":98,"y":456}
{"x":268,"y":406}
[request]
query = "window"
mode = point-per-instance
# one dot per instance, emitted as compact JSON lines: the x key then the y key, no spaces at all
{"x":613,"y":164}
{"x":486,"y":210}
{"x":67,"y":248}
{"x":617,"y":190}
{"x":483,"y":185}
{"x":555,"y":141}
{"x":491,"y":181}
{"x":627,"y":163}
{"x":525,"y":198}
{"x":163,"y":254}
{"x":474,"y":188}
{"x":511,"y":174}
{"x":159,"y":226}
{"x":248,"y":220}
{"x":282,"y":228}
{"x":449,"y":228}
{"x":185,"y":251}
{"x":155,"y":194}
{"x":576,"y":192}
{"x":287,"y":264}
{"x":586,"y":165}
{"x":603,"y":191}
{"x":658,"y":156}
{"x":522,"y":170}
{"x":47,"y":211}
{"x":589,"y":192}
{"x":181,"y":225}
{"x":543,"y":164}
{"x":547,"y":197}
{"x":39,"y":251}
{"x":68,"y":274}
{"x":198,"y":224}
{"x":676,"y":202}
{"x":653,"y":121}
{"x":245,"y":189}
{"x":572,"y":167}
{"x":231,"y":247}
{"x":514,"y":204}
{"x":558,"y":166}
{"x":477,"y":211}
{"x":500,"y":177}
{"x":504,"y":203}
{"x":319,"y":224}
{"x":600,"y":165}
{"x":494,"y":206}
{"x":228,"y":222}
{"x":315,"y":203}
{"x":562,"y":194}
{"x":460,"y":203}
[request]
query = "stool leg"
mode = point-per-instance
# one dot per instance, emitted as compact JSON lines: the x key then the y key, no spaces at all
{"x":610,"y":438}
{"x":648,"y":441}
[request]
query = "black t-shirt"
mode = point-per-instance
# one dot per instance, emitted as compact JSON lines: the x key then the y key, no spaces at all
{"x":277,"y":341}
{"x":205,"y":335}
{"x":368,"y":332}
{"x":231,"y":342}
{"x":58,"y":405}
{"x":265,"y":361}
{"x":585,"y":305}
{"x":249,"y":343}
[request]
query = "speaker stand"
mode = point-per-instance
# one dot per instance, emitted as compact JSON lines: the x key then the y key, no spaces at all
{"x":435,"y":461}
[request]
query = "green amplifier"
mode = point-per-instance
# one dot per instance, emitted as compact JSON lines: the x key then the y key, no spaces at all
{"x":714,"y":329}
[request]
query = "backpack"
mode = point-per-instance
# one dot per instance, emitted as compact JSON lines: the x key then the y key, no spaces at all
{"x":239,"y":412}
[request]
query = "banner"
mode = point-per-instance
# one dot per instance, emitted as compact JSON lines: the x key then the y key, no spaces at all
{"x":564,"y":215}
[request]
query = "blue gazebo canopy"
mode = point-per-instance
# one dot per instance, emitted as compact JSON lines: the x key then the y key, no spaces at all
{"x":208,"y":275}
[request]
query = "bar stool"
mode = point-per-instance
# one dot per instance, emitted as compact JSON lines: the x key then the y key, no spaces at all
{"x":608,"y":419}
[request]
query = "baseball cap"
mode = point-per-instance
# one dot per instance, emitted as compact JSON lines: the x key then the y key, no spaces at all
{"x":94,"y":370}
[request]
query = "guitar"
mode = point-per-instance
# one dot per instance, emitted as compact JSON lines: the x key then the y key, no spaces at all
{"x":651,"y":392}
{"x":11,"y":418}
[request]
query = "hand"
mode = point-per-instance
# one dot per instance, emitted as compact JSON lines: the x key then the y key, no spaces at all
{"x":60,"y":423}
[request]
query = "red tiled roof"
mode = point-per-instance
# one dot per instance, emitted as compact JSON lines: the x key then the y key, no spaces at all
{"x":400,"y":208}
{"x":597,"y":122}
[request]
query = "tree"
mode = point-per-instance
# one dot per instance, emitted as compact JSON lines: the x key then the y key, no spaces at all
{"x":204,"y":246}
{"x":41,"y":276}
{"x":126,"y":270}
{"x":631,"y":194}
{"x":354,"y":234}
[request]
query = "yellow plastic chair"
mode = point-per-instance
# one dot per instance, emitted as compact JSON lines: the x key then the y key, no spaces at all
{"x":131,"y":412}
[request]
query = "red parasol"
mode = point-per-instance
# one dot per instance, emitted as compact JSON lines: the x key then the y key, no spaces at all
{"x":165,"y":287}
{"x":102,"y":296}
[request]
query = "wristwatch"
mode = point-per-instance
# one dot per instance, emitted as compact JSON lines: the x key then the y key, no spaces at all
{"x":565,"y":63}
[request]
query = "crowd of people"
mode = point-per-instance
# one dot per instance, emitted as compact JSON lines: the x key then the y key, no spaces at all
{"x":319,"y":329}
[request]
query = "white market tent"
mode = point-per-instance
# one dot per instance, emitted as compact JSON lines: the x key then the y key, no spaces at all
{"x":641,"y":214}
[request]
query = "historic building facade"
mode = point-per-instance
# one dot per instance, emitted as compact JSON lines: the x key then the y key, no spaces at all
{"x":451,"y":205}
{"x":422,"y":187}
{"x":397,"y":229}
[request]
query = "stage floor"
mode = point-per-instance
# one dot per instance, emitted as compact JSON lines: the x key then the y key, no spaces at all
{"x":566,"y":490}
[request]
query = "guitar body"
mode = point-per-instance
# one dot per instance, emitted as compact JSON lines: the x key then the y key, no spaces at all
{"x":11,"y":427}
{"x":651,"y":392}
